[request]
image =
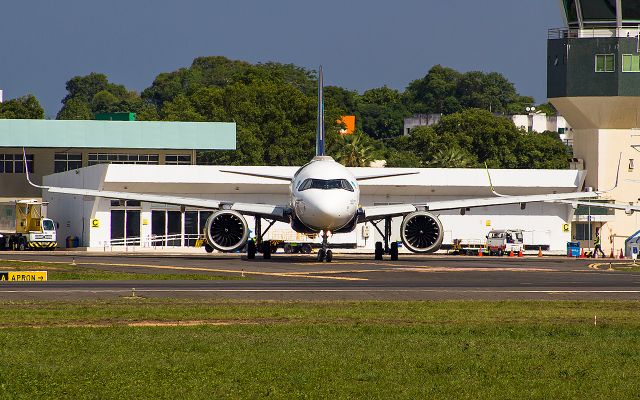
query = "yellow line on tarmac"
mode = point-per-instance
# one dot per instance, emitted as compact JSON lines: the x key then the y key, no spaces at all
{"x":230,"y":271}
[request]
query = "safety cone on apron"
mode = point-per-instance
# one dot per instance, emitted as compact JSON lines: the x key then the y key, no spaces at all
{"x":621,"y":255}
{"x":539,"y":251}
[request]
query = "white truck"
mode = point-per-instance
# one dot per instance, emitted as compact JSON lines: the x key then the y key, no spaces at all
{"x":23,"y":227}
{"x":501,"y":241}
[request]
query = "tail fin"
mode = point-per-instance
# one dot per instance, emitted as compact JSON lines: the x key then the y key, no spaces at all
{"x":320,"y":127}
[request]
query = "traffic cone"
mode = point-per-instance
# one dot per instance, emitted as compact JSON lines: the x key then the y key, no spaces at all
{"x":612,"y":255}
{"x":621,"y":255}
{"x":581,"y":253}
{"x":511,"y":253}
{"x":520,"y":253}
{"x":479,"y":252}
{"x":539,"y":251}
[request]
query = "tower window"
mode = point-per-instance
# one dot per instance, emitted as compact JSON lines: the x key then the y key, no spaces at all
{"x":605,"y":63}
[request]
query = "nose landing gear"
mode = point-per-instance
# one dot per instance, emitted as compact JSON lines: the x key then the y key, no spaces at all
{"x":325,"y":254}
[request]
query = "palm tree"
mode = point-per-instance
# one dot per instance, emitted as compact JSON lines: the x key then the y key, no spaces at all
{"x":451,"y":157}
{"x":354,"y":151}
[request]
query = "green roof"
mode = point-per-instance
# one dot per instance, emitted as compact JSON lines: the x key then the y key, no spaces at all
{"x":117,"y":134}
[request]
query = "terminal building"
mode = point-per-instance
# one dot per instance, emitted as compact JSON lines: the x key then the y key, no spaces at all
{"x":593,"y":79}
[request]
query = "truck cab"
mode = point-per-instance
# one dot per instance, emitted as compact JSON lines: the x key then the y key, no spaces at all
{"x":24,"y":227}
{"x":500,"y":241}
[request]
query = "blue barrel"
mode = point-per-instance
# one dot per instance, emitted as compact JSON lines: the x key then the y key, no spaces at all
{"x":573,"y":249}
{"x":72,"y":242}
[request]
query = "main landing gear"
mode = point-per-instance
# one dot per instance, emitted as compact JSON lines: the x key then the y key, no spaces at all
{"x":387,"y":247}
{"x":259,"y":245}
{"x":324,"y":254}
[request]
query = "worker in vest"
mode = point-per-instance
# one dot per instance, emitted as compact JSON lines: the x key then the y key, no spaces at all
{"x":598,"y":245}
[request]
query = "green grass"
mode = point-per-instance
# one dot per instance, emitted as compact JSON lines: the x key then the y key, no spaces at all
{"x":65,"y":272}
{"x":338,"y":350}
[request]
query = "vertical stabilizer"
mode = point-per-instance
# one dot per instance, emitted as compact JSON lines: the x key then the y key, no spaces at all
{"x":320,"y":127}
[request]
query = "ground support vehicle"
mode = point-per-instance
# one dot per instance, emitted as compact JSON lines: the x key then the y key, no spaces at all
{"x":23,"y":227}
{"x":501,"y":241}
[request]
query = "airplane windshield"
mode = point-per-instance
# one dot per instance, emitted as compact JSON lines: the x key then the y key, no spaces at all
{"x":325,"y":184}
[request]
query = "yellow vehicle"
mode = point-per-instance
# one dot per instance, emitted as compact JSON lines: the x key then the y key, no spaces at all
{"x":23,"y":227}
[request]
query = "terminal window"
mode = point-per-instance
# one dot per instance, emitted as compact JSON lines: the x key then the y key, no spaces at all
{"x":631,"y":63}
{"x":14,"y":163}
{"x":113,"y":158}
{"x":583,"y":231}
{"x":177,"y":159}
{"x":605,"y":63}
{"x":66,"y":161}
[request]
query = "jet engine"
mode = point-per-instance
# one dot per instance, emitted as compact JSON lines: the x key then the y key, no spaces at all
{"x":421,"y":232}
{"x":226,"y":230}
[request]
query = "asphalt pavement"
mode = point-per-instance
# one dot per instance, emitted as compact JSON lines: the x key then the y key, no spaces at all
{"x":349,"y":277}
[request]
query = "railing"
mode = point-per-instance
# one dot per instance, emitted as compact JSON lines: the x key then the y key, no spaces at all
{"x":594,"y":32}
{"x":152,"y":241}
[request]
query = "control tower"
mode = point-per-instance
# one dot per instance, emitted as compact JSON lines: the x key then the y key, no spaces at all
{"x":593,"y":79}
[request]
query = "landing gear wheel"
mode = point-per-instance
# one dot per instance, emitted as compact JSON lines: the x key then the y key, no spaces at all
{"x":305,"y":248}
{"x":208,"y":248}
{"x":393,"y":251}
{"x":266,"y":250}
{"x":329,"y":256}
{"x":321,"y":255}
{"x":379,"y":251}
{"x":251,"y":250}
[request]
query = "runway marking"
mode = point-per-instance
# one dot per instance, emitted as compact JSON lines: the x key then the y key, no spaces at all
{"x":604,"y":291}
{"x":201,"y":269}
{"x":471,"y":269}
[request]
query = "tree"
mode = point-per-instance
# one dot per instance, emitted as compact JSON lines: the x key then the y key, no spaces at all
{"x":382,"y":112}
{"x":75,"y":109}
{"x":25,"y":107}
{"x":354,"y":151}
{"x":452,"y":157}
{"x":435,"y":93}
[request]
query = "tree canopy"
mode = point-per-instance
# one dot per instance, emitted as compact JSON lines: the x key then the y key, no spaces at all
{"x":25,"y":107}
{"x":274,"y":107}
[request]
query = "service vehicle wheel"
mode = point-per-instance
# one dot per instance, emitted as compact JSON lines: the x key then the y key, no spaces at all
{"x":288,"y":249}
{"x":393,"y":251}
{"x":22,"y":245}
{"x":321,"y":255}
{"x":305,"y":248}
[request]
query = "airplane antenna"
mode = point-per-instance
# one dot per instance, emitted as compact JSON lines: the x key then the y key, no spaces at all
{"x":320,"y":127}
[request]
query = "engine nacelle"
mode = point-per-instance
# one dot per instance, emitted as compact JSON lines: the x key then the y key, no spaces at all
{"x":421,"y":232}
{"x":226,"y":230}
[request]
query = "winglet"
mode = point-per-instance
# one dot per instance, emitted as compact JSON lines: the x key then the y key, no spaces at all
{"x":491,"y":183}
{"x":617,"y":177}
{"x":26,"y":170}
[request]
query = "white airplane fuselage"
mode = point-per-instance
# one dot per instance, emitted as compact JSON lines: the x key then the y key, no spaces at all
{"x":325,"y":195}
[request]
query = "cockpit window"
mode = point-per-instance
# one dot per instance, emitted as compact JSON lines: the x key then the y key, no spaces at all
{"x":325,"y":184}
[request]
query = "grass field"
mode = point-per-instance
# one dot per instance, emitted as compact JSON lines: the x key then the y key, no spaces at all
{"x":141,"y":348}
{"x":64,"y":272}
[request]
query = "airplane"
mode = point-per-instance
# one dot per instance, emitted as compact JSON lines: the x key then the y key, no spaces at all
{"x":324,"y":199}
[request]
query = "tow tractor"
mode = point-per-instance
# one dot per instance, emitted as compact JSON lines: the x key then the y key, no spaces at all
{"x":23,"y":227}
{"x":501,"y":241}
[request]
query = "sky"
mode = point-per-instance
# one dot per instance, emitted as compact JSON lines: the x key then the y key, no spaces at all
{"x":361,"y":44}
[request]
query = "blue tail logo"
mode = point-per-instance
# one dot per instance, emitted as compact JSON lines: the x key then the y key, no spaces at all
{"x":320,"y":127}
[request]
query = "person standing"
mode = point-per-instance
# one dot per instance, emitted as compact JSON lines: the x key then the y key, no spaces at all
{"x":598,"y":244}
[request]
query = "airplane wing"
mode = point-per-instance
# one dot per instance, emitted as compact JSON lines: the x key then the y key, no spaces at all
{"x":270,"y":176}
{"x":392,"y":210}
{"x":389,"y":175}
{"x":628,"y":208}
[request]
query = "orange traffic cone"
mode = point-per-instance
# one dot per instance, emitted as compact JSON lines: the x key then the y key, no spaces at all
{"x":520,"y":253}
{"x":511,"y":253}
{"x":479,"y":252}
{"x":581,"y":253}
{"x":612,"y":255}
{"x":621,"y":255}
{"x":539,"y":251}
